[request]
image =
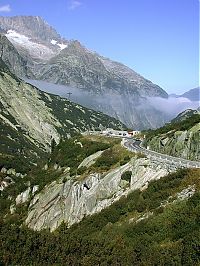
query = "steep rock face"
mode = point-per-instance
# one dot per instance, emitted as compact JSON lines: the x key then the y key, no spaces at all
{"x":69,"y":201}
{"x":18,"y":64}
{"x":23,"y":103}
{"x":108,"y":86}
{"x":76,"y":66}
{"x":132,"y":80}
{"x":33,"y":38}
{"x":31,"y":26}
{"x":144,"y":171}
{"x":184,"y":144}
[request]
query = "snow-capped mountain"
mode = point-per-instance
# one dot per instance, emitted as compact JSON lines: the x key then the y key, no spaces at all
{"x":115,"y":89}
{"x":42,"y":51}
{"x":61,"y":45}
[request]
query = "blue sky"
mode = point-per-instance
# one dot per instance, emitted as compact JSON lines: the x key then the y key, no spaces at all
{"x":157,"y":38}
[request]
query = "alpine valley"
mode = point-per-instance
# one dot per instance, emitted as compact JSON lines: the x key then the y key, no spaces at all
{"x":70,"y":192}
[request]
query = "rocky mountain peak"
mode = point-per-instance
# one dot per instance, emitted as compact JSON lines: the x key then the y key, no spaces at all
{"x":78,"y":55}
{"x":76,"y":44}
{"x":74,"y":47}
{"x":32,"y":26}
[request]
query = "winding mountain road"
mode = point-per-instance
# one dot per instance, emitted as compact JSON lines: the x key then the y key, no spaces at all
{"x":135,"y":146}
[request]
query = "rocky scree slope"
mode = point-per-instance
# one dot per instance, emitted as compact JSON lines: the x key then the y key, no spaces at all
{"x":115,"y":89}
{"x":180,"y":138}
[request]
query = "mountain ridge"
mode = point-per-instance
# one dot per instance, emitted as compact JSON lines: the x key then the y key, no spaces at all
{"x":184,"y":115}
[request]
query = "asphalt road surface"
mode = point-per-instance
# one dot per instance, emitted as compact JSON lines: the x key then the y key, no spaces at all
{"x":135,"y":146}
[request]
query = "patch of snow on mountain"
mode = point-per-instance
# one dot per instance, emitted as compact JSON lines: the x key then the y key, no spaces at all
{"x":19,"y":38}
{"x":36,"y":50}
{"x":62,"y":45}
{"x":53,"y":42}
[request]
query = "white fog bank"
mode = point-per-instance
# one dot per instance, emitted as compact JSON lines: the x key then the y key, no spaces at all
{"x":122,"y":107}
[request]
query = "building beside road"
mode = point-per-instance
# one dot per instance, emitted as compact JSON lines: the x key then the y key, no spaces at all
{"x":119,"y":133}
{"x":114,"y":133}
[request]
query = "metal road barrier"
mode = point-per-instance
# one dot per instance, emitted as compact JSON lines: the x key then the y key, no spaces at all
{"x":177,"y":161}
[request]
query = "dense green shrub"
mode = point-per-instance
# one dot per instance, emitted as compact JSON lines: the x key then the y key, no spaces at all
{"x":107,"y":159}
{"x":126,"y":176}
{"x":81,"y":170}
{"x":125,"y":160}
{"x":73,"y":151}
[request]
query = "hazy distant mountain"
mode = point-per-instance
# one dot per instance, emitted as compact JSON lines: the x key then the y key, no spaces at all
{"x":116,"y":89}
{"x":174,"y":95}
{"x":193,"y":94}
